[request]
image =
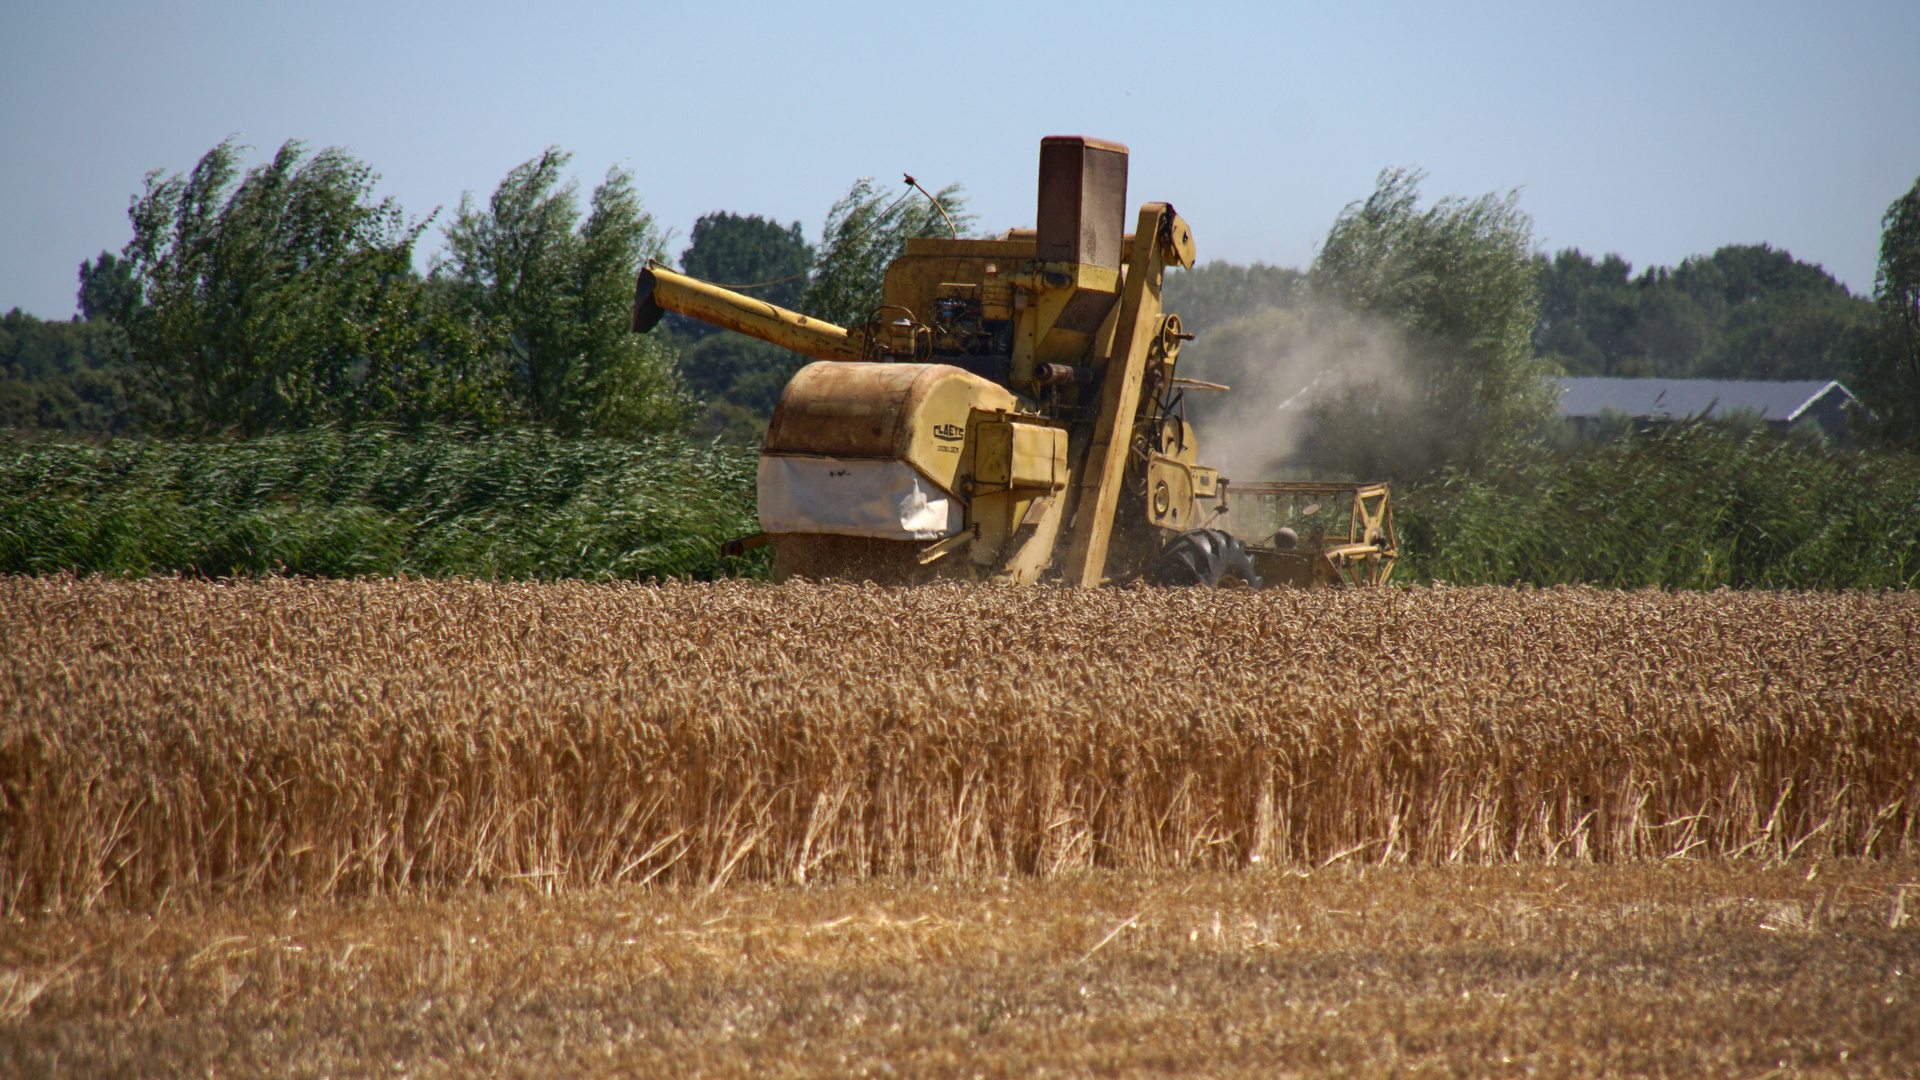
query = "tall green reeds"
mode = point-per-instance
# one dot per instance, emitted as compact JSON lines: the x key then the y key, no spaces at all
{"x":1696,"y":506}
{"x":332,"y":503}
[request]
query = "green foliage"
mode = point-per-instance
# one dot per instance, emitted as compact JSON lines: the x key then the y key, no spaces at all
{"x":108,"y":289}
{"x":1593,"y":321}
{"x":512,"y":504}
{"x":283,"y":298}
{"x":1889,"y":370}
{"x":1213,"y":294}
{"x":736,"y":250}
{"x":1744,"y":312}
{"x":61,"y":376}
{"x":551,"y":297}
{"x":1457,"y":282}
{"x":1695,"y":506}
{"x":1799,"y":334}
{"x":738,"y":379}
{"x":864,"y":231}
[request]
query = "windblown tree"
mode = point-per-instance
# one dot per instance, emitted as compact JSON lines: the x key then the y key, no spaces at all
{"x":1456,"y":282}
{"x":1889,"y":367}
{"x":864,"y":231}
{"x":552,"y":296}
{"x":282,"y":298}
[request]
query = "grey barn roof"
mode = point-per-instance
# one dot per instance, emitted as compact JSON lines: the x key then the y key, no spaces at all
{"x":1781,"y":402}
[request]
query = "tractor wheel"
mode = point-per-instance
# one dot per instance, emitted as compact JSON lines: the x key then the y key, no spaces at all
{"x":1207,"y":558}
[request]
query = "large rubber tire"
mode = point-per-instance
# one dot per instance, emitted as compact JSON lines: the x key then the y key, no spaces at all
{"x":1206,"y":558}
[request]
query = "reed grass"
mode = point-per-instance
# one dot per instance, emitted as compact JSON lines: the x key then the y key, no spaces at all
{"x":339,"y":503}
{"x":170,"y":742}
{"x":1697,"y":505}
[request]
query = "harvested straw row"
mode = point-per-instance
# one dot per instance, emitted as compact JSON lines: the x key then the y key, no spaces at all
{"x":170,"y":740}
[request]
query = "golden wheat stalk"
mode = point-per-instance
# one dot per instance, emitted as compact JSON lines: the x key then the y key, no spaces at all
{"x":168,"y":740}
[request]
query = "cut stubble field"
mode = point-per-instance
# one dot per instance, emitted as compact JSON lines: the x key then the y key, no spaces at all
{"x":449,"y":828}
{"x":1698,"y":968}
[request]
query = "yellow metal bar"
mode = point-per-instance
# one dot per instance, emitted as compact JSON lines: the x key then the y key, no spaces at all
{"x":1119,"y":401}
{"x":660,"y":291}
{"x":948,"y":546}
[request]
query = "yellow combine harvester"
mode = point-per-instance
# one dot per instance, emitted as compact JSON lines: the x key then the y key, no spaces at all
{"x":1011,"y":412}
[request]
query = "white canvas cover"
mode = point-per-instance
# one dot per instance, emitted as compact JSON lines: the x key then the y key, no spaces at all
{"x":890,"y":500}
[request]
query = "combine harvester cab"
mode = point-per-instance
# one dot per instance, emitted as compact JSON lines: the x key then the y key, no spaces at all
{"x":1010,"y":412}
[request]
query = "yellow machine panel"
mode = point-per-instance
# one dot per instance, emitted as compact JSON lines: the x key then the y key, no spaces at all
{"x":914,"y":278}
{"x":916,"y":413}
{"x":1015,"y":455}
{"x":1170,"y":493}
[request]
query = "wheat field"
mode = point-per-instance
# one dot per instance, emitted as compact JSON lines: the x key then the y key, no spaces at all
{"x":412,"y":828}
{"x":172,"y":742}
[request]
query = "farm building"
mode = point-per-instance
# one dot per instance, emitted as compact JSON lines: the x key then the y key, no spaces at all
{"x":1778,"y":404}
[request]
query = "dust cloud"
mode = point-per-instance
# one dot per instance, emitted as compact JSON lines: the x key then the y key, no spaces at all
{"x":1305,"y":380}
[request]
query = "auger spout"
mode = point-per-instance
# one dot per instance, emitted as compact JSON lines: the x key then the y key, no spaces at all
{"x":660,"y":291}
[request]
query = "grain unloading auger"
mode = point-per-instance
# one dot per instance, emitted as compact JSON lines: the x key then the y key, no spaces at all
{"x":1011,"y":412}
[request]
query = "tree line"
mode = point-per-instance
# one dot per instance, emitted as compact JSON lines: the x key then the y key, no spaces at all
{"x":1450,"y":280}
{"x":287,"y":296}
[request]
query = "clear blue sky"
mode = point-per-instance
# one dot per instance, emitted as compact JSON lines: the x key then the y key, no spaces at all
{"x":1657,"y":130}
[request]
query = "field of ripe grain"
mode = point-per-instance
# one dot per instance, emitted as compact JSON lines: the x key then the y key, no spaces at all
{"x":167,"y":742}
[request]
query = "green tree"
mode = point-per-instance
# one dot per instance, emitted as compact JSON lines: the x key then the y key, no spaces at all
{"x":1747,"y":273}
{"x":1777,"y":317}
{"x":1666,"y":332}
{"x":1457,"y":282}
{"x":864,"y":231}
{"x":282,"y":298}
{"x":1796,"y":334}
{"x":1216,"y":293}
{"x":746,"y":251}
{"x":552,"y":296}
{"x":108,"y":289}
{"x":62,"y":376}
{"x":738,"y":379}
{"x":1748,"y":311}
{"x":1888,"y":371}
{"x":1587,"y":313}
